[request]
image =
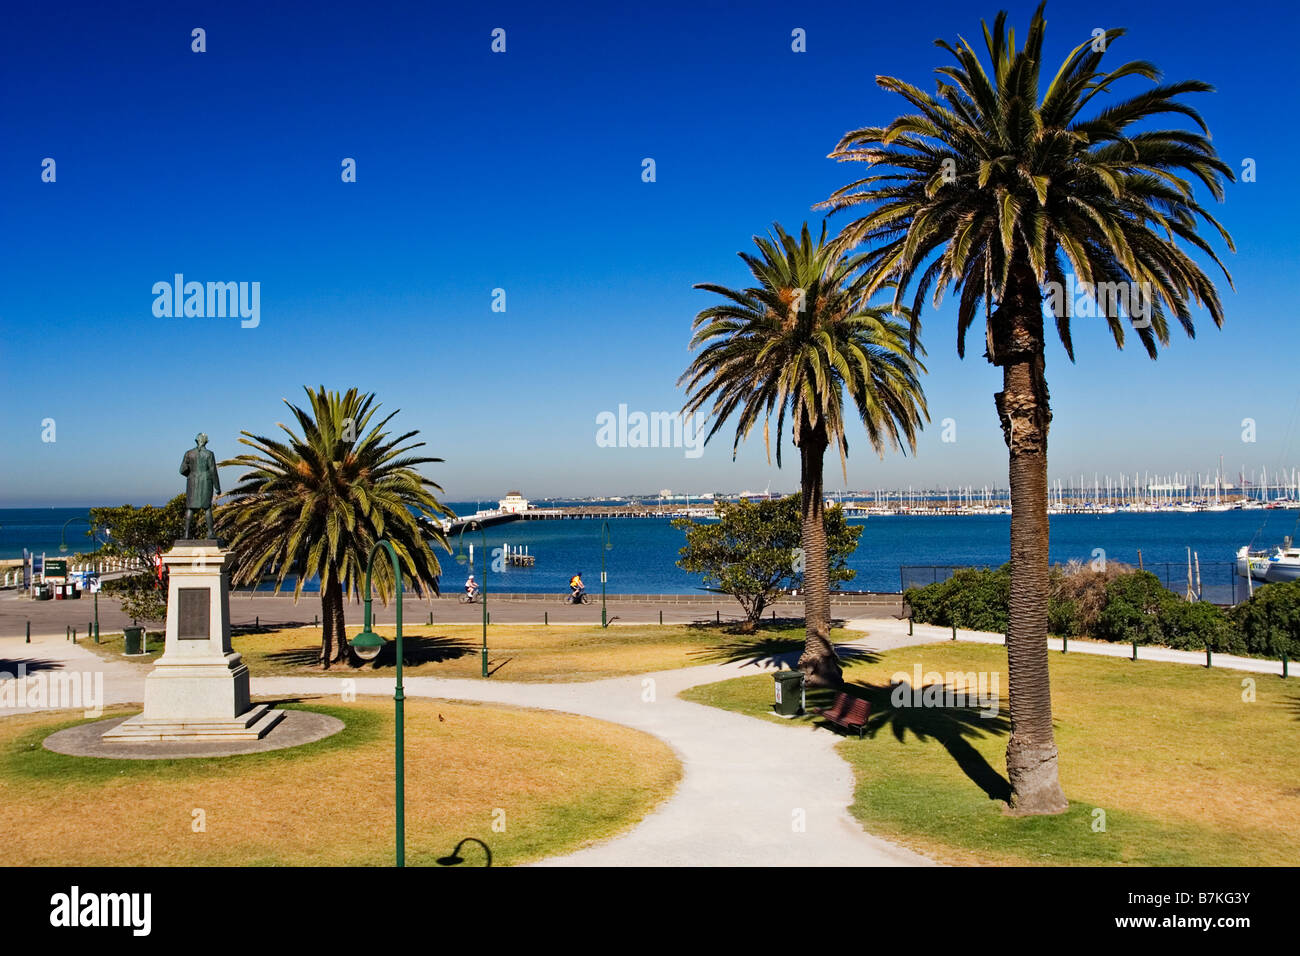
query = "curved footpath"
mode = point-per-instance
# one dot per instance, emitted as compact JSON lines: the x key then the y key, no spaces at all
{"x":753,"y":792}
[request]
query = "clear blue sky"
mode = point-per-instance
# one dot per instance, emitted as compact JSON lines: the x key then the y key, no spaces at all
{"x":522,"y":171}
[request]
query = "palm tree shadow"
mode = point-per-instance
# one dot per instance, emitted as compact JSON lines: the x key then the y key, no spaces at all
{"x":418,"y":649}
{"x":772,"y":652}
{"x":9,"y":668}
{"x":951,"y":727}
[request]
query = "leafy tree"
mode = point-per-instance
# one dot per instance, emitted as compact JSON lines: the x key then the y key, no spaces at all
{"x":796,"y":343}
{"x":317,"y":504}
{"x":752,"y":551}
{"x":140,"y":534}
{"x":995,"y":188}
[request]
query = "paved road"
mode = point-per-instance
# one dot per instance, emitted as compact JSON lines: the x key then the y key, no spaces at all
{"x":52,"y":618}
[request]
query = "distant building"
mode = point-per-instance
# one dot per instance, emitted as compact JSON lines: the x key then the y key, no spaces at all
{"x":513,"y":503}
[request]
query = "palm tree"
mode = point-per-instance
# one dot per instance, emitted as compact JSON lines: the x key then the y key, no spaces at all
{"x":317,"y":504}
{"x":996,"y":191}
{"x":795,"y":343}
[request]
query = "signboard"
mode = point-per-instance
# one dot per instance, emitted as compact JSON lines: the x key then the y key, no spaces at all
{"x":56,"y":568}
{"x":193,"y":614}
{"x":93,"y":583}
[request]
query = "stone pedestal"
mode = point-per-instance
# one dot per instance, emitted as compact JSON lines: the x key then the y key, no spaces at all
{"x":198,"y":689}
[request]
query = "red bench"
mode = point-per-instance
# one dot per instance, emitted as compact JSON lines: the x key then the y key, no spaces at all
{"x":848,"y":712}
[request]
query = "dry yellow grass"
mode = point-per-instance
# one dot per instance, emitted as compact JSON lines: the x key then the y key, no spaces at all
{"x":553,"y":781}
{"x":516,"y":652}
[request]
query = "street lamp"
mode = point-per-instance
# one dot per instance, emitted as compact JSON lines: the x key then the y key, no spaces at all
{"x":606,"y":544}
{"x":367,"y":646}
{"x":462,"y":558}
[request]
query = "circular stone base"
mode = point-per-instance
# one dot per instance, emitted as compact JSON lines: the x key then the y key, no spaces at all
{"x":87,"y":740}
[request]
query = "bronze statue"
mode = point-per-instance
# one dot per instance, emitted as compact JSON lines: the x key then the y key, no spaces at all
{"x":199,"y":466}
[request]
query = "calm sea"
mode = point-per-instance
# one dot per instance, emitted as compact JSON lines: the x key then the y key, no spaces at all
{"x":645,"y":549}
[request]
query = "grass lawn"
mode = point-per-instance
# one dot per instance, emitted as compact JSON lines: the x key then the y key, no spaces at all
{"x":1186,"y":772}
{"x":516,"y":652}
{"x":561,"y":780}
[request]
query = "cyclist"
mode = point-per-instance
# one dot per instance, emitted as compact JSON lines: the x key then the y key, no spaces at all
{"x":576,"y":587}
{"x":471,"y":586}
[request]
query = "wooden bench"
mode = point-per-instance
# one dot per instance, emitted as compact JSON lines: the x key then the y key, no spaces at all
{"x":848,"y":712}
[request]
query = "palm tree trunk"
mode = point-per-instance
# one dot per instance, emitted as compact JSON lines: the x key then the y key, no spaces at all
{"x":1025,"y":412}
{"x":819,"y":661}
{"x":327,"y":627}
{"x":341,"y":649}
{"x":334,"y":642}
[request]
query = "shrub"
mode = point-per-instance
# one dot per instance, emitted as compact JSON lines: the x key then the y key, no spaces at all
{"x":1195,"y":625}
{"x":1078,"y":596}
{"x":974,"y":598}
{"x":1132,"y":612}
{"x":1269,"y":623}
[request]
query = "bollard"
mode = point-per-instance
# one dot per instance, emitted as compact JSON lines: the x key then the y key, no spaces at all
{"x":546,"y":617}
{"x":717,"y":617}
{"x":1135,"y":649}
{"x":67,"y":632}
{"x":29,"y":632}
{"x":954,"y":631}
{"x":257,"y":621}
{"x":1208,"y":662}
{"x":315,"y":620}
{"x":74,"y":635}
{"x":661,"y":616}
{"x":909,"y":625}
{"x":430,"y":617}
{"x":1284,"y":665}
{"x":1065,"y":643}
{"x":96,"y":632}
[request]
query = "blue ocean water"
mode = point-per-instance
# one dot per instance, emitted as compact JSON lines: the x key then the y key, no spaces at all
{"x":642,"y":559}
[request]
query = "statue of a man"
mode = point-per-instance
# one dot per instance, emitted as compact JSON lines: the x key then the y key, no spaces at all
{"x":199,"y":466}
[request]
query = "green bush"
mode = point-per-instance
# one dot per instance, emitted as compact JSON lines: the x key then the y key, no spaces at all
{"x":1196,"y":625}
{"x":973,"y":598}
{"x":1132,"y":612}
{"x":1120,"y":605}
{"x":1269,"y":623}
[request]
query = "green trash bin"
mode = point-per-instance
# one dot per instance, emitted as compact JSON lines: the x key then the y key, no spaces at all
{"x":134,"y":639}
{"x":789,"y":689}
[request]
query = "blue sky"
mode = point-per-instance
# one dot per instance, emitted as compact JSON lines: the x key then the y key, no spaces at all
{"x":522,"y":171}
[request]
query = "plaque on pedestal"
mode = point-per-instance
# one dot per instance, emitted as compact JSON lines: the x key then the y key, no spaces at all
{"x":198,"y":690}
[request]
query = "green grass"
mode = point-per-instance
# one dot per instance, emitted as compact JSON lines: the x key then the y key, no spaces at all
{"x":516,"y":652}
{"x":571,"y":780}
{"x":1186,"y":772}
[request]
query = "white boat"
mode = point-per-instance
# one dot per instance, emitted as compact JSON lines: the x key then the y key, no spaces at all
{"x":1282,"y":565}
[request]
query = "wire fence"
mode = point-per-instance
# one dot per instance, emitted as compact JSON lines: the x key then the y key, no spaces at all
{"x":1219,"y":583}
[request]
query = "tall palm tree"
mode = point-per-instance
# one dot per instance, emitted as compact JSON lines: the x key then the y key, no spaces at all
{"x":998,"y":191}
{"x":794,"y":343}
{"x":317,"y":504}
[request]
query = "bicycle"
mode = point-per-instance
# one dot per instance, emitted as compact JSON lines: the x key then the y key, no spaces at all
{"x":580,"y":598}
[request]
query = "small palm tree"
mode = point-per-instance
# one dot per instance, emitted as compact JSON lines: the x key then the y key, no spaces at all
{"x":996,"y":191}
{"x":795,"y":343}
{"x":317,"y":504}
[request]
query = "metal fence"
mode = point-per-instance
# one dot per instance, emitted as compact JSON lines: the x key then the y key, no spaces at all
{"x":1219,"y":581}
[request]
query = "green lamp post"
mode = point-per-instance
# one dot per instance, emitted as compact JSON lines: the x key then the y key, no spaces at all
{"x":606,"y":544}
{"x":63,"y":549}
{"x":462,"y":558}
{"x":367,"y":646}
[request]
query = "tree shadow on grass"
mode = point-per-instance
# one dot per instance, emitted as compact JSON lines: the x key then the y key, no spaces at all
{"x":951,"y":727}
{"x":772,"y":652}
{"x":416,"y":650}
{"x":238,"y":630}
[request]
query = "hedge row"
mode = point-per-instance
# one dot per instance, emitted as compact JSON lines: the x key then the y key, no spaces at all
{"x":1122,"y":605}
